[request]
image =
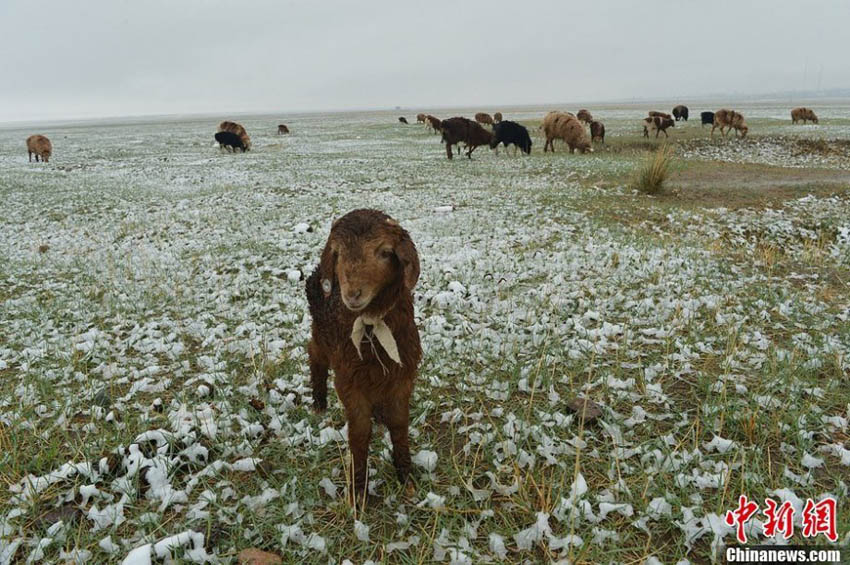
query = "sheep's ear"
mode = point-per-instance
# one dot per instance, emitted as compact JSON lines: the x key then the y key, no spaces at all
{"x":327,"y":269}
{"x":406,"y":253}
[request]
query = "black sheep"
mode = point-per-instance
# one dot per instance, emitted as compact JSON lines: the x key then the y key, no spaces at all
{"x":707,"y":118}
{"x":680,"y":112}
{"x":508,"y":132}
{"x":403,"y":120}
{"x":231,"y":140}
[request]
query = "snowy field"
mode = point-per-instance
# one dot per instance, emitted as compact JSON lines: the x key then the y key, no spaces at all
{"x":154,"y":386}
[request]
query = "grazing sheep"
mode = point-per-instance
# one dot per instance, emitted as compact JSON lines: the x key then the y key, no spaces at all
{"x":434,"y":124}
{"x":548,"y":126}
{"x":657,"y":124}
{"x":282,"y":129}
{"x":237,"y":129}
{"x":403,"y":120}
{"x":458,"y":129}
{"x":803,"y":114}
{"x":483,"y":118}
{"x":230,"y":141}
{"x":680,"y":112}
{"x":39,"y":146}
{"x":497,"y":117}
{"x":565,"y":126}
{"x":361,"y":302}
{"x":584,"y":116}
{"x":597,"y":131}
{"x":730,"y":119}
{"x":507,"y":133}
{"x":707,"y":118}
{"x":420,"y":118}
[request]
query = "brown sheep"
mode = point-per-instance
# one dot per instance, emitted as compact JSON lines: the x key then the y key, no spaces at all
{"x":552,"y":127}
{"x":420,"y":118}
{"x":803,"y":114}
{"x":657,"y":124}
{"x":472,"y":134}
{"x":483,"y":118}
{"x":282,"y":129}
{"x":361,"y":302}
{"x":584,"y":116}
{"x":497,"y":117}
{"x":597,"y":131}
{"x":39,"y":146}
{"x":730,"y":119}
{"x":237,"y":129}
{"x":434,"y":124}
{"x":565,"y":126}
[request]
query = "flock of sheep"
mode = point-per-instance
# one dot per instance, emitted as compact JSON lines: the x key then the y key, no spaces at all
{"x":565,"y":126}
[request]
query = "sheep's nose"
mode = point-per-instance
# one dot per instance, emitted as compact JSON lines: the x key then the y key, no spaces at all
{"x":354,"y":295}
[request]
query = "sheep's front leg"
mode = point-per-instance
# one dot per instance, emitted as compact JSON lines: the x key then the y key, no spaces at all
{"x":449,"y":150}
{"x":318,"y":376}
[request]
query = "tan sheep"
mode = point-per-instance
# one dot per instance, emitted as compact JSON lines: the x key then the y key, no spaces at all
{"x":39,"y":146}
{"x":565,"y":126}
{"x":236,"y":129}
{"x":804,"y":114}
{"x":730,"y":119}
{"x":420,"y":118}
{"x":483,"y":118}
{"x":497,"y":117}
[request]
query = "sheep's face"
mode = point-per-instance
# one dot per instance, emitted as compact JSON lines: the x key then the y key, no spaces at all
{"x":368,"y":252}
{"x":364,"y":269}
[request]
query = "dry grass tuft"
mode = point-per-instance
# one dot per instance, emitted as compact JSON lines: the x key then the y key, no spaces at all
{"x":651,"y":176}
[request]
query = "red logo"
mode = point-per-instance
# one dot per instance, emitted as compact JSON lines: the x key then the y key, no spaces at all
{"x":740,"y":516}
{"x":818,"y":518}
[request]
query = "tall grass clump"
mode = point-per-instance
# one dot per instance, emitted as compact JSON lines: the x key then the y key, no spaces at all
{"x":651,"y":175}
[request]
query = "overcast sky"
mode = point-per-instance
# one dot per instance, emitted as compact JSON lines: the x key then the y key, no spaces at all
{"x":67,"y":59}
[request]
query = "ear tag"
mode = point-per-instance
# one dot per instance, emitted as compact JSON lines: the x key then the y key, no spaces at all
{"x":326,"y":286}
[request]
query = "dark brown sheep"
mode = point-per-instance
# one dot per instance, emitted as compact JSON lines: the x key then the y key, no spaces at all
{"x":282,"y":129}
{"x":361,"y":302}
{"x":483,"y":118}
{"x":597,"y":131}
{"x":655,"y":113}
{"x":39,"y":146}
{"x":584,"y":116}
{"x":680,"y":112}
{"x":472,"y":134}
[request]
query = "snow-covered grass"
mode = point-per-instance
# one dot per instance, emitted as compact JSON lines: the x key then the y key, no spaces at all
{"x":154,"y":385}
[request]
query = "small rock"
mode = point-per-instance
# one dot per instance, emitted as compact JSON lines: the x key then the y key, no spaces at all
{"x":585,"y":408}
{"x":253,"y":556}
{"x":67,"y":513}
{"x":43,"y":248}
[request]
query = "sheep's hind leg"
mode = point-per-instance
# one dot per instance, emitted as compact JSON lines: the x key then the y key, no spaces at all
{"x":318,"y":377}
{"x":397,"y":418}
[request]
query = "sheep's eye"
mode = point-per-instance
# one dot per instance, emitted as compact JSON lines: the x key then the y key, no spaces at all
{"x":386,"y":253}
